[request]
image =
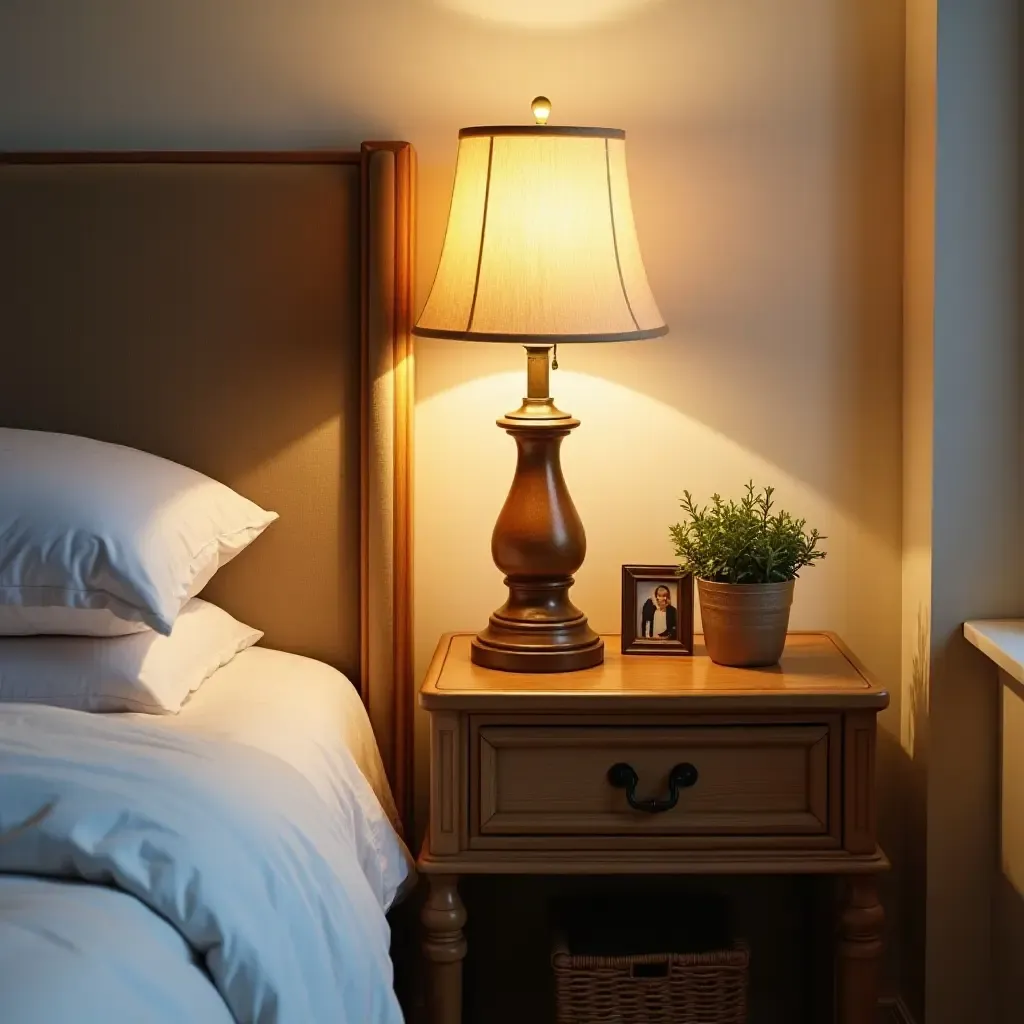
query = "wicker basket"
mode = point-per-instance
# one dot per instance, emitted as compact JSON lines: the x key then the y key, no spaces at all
{"x":651,"y":988}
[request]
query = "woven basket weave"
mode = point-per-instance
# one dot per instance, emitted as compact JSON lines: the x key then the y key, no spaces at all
{"x":676,"y":988}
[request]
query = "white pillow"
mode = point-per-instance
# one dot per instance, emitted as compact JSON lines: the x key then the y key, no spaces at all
{"x":16,"y":620}
{"x":128,"y":536}
{"x":144,"y":672}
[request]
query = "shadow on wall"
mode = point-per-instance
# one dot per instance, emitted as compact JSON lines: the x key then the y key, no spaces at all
{"x":916,"y":736}
{"x":913,"y":771}
{"x":902,"y":780}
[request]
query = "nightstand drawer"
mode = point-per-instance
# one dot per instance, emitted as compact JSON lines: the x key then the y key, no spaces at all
{"x":740,"y":781}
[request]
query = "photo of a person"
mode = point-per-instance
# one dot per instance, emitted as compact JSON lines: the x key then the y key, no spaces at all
{"x":659,"y":619}
{"x":657,"y":610}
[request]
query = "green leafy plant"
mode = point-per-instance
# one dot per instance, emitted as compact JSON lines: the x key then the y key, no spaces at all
{"x":744,"y":541}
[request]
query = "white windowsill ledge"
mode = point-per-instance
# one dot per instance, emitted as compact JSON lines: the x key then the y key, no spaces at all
{"x":1002,"y":640}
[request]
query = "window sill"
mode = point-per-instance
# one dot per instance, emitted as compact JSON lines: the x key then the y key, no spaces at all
{"x":1002,"y":640}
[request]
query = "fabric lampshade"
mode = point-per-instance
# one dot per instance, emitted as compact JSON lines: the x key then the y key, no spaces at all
{"x":541,"y":247}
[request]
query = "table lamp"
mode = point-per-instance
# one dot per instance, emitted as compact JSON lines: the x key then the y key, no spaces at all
{"x":540,"y":251}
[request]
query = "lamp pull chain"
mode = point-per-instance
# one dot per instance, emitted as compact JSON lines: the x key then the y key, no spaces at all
{"x":554,"y":361}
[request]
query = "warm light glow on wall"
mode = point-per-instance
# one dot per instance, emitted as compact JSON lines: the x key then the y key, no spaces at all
{"x":548,"y":13}
{"x":626,"y":511}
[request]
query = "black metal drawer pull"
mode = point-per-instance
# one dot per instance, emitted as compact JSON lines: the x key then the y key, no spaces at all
{"x":624,"y":776}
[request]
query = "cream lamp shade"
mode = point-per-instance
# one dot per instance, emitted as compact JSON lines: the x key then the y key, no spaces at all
{"x":541,"y":248}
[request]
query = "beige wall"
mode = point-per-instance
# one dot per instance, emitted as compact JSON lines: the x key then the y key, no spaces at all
{"x":918,"y":419}
{"x":1008,"y":890}
{"x":765,"y":149}
{"x":962,"y":477}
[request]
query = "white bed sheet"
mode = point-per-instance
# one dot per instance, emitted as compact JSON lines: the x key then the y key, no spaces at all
{"x":265,"y":881}
{"x":309,"y":715}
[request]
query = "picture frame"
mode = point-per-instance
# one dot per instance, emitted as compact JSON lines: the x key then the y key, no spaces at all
{"x":648,"y":623}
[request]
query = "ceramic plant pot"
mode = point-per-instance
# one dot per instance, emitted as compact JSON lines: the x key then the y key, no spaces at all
{"x":745,"y":623}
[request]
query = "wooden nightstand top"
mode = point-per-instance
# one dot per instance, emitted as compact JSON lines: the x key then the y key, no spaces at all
{"x":817,"y":672}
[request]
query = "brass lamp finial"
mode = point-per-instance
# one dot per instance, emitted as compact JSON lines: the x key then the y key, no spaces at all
{"x":541,"y":107}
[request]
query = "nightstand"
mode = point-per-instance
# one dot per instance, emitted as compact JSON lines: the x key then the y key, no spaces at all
{"x":655,"y":765}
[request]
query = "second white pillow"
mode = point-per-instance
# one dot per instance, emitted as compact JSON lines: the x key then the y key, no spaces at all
{"x":143,"y":672}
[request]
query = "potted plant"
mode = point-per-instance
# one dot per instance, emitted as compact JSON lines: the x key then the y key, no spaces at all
{"x":745,"y":558}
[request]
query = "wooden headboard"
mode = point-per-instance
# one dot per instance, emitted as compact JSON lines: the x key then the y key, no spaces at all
{"x":249,"y":315}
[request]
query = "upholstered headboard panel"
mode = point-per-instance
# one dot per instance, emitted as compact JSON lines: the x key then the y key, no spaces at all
{"x":247,"y":315}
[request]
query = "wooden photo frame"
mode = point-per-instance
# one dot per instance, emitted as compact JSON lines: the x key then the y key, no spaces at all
{"x":657,"y":610}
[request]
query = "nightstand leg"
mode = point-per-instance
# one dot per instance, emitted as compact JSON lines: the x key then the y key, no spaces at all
{"x":444,"y":947}
{"x":859,"y":955}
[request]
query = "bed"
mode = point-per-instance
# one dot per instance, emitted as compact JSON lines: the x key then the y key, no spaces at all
{"x":247,"y":315}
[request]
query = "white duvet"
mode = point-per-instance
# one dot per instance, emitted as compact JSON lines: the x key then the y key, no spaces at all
{"x":138,"y":864}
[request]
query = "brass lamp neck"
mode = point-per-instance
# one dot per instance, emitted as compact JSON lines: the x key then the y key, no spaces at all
{"x":538,"y":403}
{"x":538,"y":377}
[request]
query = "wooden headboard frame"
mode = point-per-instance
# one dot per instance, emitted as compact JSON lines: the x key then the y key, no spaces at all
{"x":386,"y":209}
{"x":386,"y":361}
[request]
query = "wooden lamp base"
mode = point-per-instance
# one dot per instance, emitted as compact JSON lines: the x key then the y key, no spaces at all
{"x":538,"y":543}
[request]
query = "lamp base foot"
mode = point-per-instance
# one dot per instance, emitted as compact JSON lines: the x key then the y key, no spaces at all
{"x":536,"y":659}
{"x":535,"y":642}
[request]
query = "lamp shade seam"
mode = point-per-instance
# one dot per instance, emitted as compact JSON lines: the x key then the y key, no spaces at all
{"x":615,"y":237}
{"x":483,"y":232}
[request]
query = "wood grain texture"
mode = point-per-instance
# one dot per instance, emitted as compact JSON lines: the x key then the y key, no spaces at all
{"x":859,"y":953}
{"x":552,"y":780}
{"x":815,"y":673}
{"x":608,"y":858}
{"x":859,"y":772}
{"x":448,"y":782}
{"x":444,"y":947}
{"x":394,"y":256}
{"x":538,"y":543}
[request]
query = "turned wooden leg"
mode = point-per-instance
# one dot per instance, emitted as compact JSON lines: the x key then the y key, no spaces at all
{"x":859,"y":953}
{"x":444,"y":947}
